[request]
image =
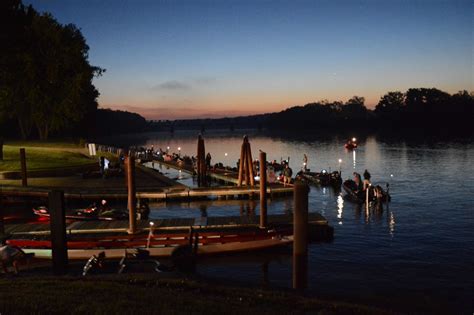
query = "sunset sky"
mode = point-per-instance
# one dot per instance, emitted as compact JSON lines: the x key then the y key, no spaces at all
{"x":175,"y":59}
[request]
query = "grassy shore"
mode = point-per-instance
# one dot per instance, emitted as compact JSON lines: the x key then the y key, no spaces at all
{"x":41,"y":155}
{"x":146,"y":294}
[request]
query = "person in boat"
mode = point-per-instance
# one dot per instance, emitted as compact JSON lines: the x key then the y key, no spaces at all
{"x":287,"y":173}
{"x":305,"y":163}
{"x":366,"y":183}
{"x":208,"y":161}
{"x":104,"y":207}
{"x":358,"y":182}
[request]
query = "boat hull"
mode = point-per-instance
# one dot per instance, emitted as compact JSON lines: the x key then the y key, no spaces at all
{"x":209,"y":249}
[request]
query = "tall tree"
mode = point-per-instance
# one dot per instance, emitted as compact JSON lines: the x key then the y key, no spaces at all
{"x":48,"y":80}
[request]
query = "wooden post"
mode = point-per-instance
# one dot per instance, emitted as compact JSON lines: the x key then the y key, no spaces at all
{"x":263,"y":190}
{"x":201,"y":160}
{"x":132,"y":206}
{"x":251,"y":173}
{"x":300,"y":236}
{"x":58,"y":232}
{"x":241,"y":164}
{"x":24,"y":180}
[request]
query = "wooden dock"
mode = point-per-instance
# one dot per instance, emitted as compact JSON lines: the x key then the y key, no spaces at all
{"x":169,"y":224}
{"x":220,"y":175}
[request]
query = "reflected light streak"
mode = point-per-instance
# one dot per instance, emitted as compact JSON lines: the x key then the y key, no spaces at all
{"x":340,"y":206}
{"x":391,"y":224}
{"x":354,"y":158}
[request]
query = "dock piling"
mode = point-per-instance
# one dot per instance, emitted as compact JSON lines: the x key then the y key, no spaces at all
{"x":24,"y":180}
{"x":300,"y":236}
{"x":263,"y":190}
{"x":201,"y":161}
{"x":132,"y":206}
{"x":58,"y":232}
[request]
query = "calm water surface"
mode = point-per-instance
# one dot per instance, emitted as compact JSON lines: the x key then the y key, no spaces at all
{"x":419,"y":251}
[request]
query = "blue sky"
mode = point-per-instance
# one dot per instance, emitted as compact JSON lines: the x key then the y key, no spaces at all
{"x":183,"y":59}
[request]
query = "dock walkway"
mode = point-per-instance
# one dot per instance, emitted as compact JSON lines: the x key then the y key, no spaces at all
{"x":168,"y":224}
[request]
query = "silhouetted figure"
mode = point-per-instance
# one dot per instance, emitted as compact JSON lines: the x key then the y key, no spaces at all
{"x":358,"y":182}
{"x":208,"y":160}
{"x":287,"y":173}
{"x":102,"y":165}
{"x":366,"y":183}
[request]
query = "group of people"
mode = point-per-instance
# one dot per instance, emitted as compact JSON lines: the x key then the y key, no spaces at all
{"x":362,"y":185}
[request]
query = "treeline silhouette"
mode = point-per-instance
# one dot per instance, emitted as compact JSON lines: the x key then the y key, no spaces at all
{"x":425,"y":110}
{"x":418,"y":109}
{"x":46,"y":80}
{"x":45,"y":76}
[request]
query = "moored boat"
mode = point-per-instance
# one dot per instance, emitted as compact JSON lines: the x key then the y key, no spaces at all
{"x":351,"y":144}
{"x":376,"y":193}
{"x":163,"y":244}
{"x":90,"y":213}
{"x":323,"y":178}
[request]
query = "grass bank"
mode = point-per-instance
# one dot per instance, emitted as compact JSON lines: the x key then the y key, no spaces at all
{"x":141,"y":294}
{"x":43,"y":155}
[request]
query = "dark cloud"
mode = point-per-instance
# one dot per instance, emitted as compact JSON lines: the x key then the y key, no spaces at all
{"x":172,"y":85}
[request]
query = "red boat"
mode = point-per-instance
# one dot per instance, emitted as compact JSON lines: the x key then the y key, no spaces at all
{"x":351,"y":144}
{"x":163,"y":244}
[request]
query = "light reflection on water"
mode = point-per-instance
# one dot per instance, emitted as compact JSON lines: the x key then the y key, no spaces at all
{"x":419,"y":243}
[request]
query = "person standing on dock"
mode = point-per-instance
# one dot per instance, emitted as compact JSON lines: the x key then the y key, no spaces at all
{"x":208,"y":161}
{"x":287,"y":173}
{"x":305,"y":162}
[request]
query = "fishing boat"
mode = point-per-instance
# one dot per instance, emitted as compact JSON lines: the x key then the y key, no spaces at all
{"x":163,"y":244}
{"x":351,"y":144}
{"x":375,"y":193}
{"x":323,"y":178}
{"x":90,"y":213}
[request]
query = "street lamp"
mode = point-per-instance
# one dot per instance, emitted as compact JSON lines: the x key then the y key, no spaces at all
{"x":340,"y":161}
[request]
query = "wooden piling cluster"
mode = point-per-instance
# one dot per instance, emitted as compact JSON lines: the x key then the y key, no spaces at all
{"x":246,"y":171}
{"x":201,"y":161}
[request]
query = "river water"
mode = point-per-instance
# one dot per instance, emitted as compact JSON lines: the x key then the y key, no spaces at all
{"x":416,"y":255}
